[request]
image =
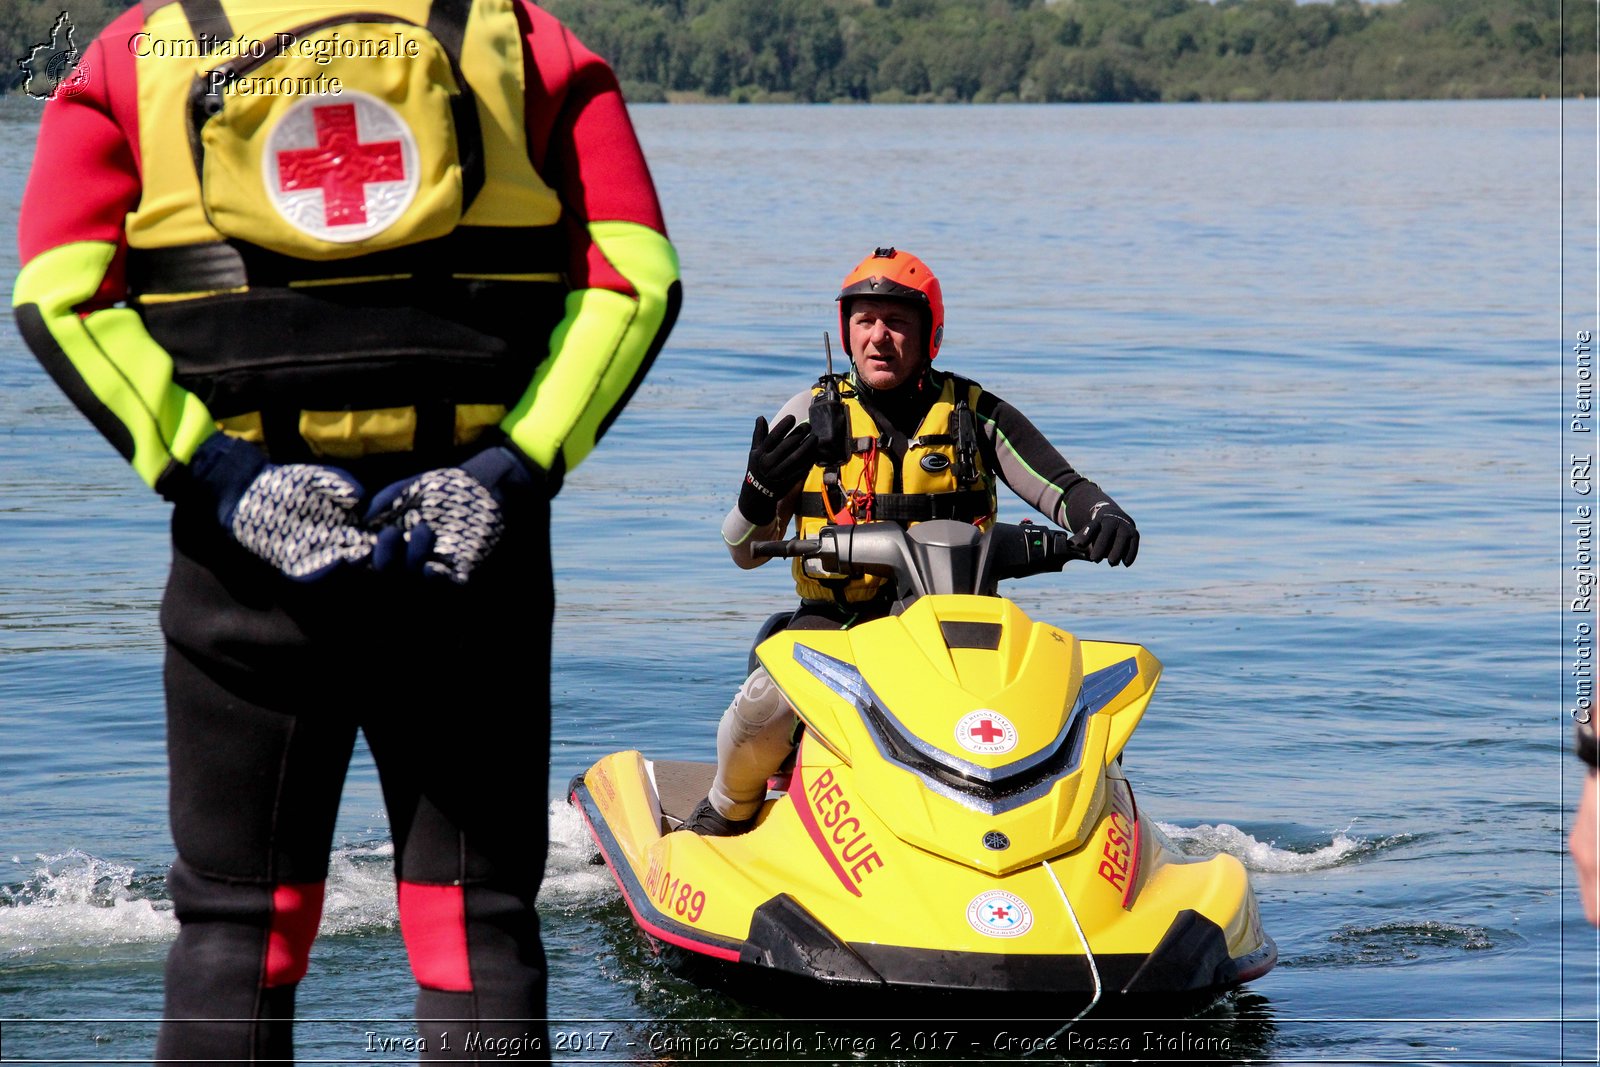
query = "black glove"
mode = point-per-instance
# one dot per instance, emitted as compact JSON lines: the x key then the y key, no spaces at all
{"x":444,"y":523}
{"x":299,"y":517}
{"x":1109,"y":534}
{"x":778,"y":460}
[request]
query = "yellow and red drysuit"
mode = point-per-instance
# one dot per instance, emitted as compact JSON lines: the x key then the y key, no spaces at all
{"x":170,"y":301}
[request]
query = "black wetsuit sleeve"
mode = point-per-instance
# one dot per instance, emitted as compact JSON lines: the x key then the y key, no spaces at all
{"x":1032,"y":468}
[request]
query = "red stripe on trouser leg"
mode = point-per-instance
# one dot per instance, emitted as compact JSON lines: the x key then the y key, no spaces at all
{"x":296,"y":910}
{"x":433,"y":922}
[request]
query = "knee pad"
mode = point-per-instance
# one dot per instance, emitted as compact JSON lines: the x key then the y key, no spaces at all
{"x":753,"y":740}
{"x":433,"y":923}
{"x":757,"y":707}
{"x":296,"y":911}
{"x":229,"y":917}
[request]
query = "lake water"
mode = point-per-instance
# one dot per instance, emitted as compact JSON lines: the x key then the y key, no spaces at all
{"x":1320,"y":352}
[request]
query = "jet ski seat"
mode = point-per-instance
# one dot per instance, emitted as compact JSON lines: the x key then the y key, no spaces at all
{"x":778,"y":620}
{"x":680,"y":785}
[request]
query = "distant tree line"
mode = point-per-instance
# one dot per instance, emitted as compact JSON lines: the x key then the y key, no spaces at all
{"x":1039,"y":50}
{"x":1088,"y":50}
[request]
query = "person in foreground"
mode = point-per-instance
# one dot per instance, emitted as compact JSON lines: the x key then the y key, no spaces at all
{"x":355,"y":318}
{"x":1584,"y":842}
{"x":896,"y":441}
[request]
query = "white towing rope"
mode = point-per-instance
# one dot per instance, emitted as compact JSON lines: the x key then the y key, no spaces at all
{"x":1088,"y":954}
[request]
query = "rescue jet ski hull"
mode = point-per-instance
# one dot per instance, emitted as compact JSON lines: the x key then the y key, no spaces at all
{"x":955,"y":818}
{"x":785,"y":939}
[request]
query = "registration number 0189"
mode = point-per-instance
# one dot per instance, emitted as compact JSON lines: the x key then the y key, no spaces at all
{"x":674,"y":895}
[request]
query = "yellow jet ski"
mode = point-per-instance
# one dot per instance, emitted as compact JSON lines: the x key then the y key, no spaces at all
{"x":955,"y":818}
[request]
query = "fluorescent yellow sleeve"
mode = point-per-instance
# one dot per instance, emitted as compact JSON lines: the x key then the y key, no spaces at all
{"x":600,"y":350}
{"x":106,"y":362}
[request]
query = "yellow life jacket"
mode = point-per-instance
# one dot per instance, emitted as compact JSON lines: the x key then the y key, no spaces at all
{"x":941,"y":476}
{"x":341,"y":239}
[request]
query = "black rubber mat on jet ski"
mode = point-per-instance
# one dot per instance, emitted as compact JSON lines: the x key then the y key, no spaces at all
{"x":681,"y":785}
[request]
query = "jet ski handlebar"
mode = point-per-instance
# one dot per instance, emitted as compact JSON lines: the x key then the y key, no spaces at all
{"x":941,"y":556}
{"x":795,"y":546}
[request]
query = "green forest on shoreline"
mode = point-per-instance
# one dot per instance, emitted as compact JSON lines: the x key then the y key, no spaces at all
{"x":1048,"y":51}
{"x":1045,"y":51}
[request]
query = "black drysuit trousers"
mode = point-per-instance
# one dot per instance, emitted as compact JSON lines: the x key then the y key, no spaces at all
{"x":267,"y":682}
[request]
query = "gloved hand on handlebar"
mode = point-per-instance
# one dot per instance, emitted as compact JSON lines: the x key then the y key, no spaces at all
{"x":779,"y":459}
{"x":299,"y":517}
{"x":444,"y":523}
{"x":1109,"y":535}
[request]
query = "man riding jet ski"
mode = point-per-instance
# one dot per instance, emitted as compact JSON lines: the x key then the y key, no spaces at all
{"x":899,"y":442}
{"x":955,"y":818}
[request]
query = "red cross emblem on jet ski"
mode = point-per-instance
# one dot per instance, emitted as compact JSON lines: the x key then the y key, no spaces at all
{"x":340,"y":165}
{"x":986,"y":732}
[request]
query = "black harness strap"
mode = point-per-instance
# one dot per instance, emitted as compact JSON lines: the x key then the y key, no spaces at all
{"x":207,"y":21}
{"x":208,"y":267}
{"x":447,"y":21}
{"x":436,"y":429}
{"x":280,"y":432}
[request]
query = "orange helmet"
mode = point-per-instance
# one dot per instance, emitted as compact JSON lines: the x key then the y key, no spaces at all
{"x":891,"y":275}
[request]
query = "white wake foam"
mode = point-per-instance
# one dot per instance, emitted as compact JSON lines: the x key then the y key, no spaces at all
{"x":60,"y":903}
{"x":1265,"y":856}
{"x":75,"y":900}
{"x":569,"y":878}
{"x":55,"y":904}
{"x":360,"y":894}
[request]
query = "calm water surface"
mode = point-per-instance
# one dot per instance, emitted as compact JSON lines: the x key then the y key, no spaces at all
{"x":1316,"y":351}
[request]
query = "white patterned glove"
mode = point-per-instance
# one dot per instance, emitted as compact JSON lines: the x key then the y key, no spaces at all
{"x":444,"y":523}
{"x":301,"y":518}
{"x":298,"y":517}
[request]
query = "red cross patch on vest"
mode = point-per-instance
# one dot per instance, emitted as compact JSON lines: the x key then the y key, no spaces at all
{"x":341,"y":167}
